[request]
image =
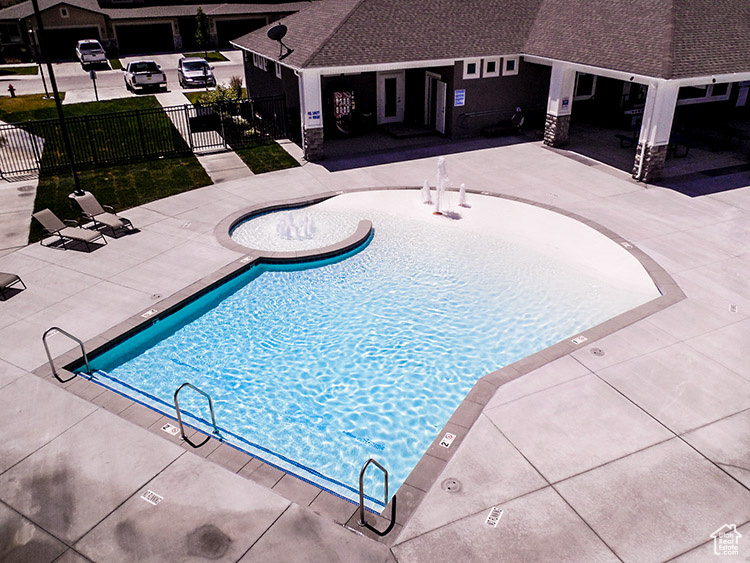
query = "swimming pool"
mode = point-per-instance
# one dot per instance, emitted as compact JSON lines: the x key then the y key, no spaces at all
{"x":317,"y":367}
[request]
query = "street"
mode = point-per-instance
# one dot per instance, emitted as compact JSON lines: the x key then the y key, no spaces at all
{"x":78,"y":87}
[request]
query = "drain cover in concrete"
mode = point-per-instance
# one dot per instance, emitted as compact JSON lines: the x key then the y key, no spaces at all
{"x":451,"y":485}
{"x":597,"y":351}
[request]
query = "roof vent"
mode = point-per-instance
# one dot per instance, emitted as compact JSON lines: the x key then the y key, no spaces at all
{"x":277,"y":33}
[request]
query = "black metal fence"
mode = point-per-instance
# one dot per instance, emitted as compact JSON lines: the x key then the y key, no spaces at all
{"x":116,"y":138}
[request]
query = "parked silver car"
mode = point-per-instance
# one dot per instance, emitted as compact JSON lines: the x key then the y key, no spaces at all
{"x":195,"y":71}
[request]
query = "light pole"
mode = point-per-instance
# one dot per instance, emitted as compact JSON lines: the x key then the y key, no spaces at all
{"x":63,"y":127}
{"x":35,"y":50}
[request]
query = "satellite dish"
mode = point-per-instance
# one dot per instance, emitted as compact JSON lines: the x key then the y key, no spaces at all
{"x":277,"y":32}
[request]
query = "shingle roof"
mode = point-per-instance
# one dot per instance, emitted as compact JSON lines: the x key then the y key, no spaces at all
{"x":632,"y":36}
{"x":660,"y":38}
{"x":359,"y":32}
{"x":711,"y":37}
{"x":308,"y":30}
{"x":25,"y":10}
{"x":667,"y":39}
{"x":175,"y":10}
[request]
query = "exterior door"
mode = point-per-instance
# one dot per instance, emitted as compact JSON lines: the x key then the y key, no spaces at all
{"x":390,"y":97}
{"x":442,"y":94}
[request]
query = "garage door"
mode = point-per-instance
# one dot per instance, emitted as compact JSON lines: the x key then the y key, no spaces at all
{"x":145,"y":39}
{"x":61,"y":43}
{"x":227,"y":31}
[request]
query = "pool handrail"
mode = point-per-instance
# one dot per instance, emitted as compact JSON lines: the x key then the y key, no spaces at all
{"x":179,"y":414}
{"x":49,"y":356}
{"x":362,"y":522}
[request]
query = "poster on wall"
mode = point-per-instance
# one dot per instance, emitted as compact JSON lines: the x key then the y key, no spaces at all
{"x":459,"y":98}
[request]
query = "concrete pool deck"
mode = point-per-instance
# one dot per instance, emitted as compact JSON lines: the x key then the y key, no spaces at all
{"x":638,"y":452}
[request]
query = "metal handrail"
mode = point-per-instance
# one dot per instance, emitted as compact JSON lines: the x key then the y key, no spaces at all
{"x":179,"y":415}
{"x":362,"y":522}
{"x":49,"y":356}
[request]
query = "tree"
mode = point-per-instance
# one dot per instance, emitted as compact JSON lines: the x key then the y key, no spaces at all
{"x":202,"y":34}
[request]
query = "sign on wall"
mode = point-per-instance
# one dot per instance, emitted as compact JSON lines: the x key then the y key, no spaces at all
{"x":459,"y":98}
{"x":313,"y":118}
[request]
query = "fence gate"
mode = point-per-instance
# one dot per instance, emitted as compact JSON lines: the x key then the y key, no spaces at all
{"x":232,"y":125}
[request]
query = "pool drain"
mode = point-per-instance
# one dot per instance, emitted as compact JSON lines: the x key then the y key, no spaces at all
{"x":451,"y":485}
{"x":597,"y":351}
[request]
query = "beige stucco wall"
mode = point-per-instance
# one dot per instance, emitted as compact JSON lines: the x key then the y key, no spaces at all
{"x":76,"y":17}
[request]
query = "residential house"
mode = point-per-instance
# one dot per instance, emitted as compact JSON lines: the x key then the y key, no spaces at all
{"x":461,"y":68}
{"x":131,"y":26}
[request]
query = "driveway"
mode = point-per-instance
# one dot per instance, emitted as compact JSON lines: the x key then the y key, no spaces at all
{"x":78,"y":87}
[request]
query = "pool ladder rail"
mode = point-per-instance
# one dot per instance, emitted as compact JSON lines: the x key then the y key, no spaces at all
{"x":362,"y":522}
{"x":179,"y":415}
{"x":55,"y":330}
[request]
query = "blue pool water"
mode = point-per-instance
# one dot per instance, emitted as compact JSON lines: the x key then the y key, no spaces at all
{"x":316,"y":368}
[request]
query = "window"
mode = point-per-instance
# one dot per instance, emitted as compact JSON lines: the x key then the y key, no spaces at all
{"x":471,"y":68}
{"x":719,"y":90}
{"x":278,"y":70}
{"x":259,"y":61}
{"x":510,"y":66}
{"x":705,"y":93}
{"x":491,"y":67}
{"x":64,"y":13}
{"x":585,"y":86}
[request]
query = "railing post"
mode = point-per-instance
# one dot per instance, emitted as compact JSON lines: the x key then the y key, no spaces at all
{"x":92,"y":146}
{"x":140,"y":132}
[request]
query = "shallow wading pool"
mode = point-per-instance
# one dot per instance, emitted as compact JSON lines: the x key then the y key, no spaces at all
{"x":317,"y":367}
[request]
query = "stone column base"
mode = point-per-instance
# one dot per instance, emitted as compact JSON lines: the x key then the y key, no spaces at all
{"x":313,"y":144}
{"x":653,"y":163}
{"x":556,"y":130}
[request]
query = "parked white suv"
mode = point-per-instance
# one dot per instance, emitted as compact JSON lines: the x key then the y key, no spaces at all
{"x":90,"y":52}
{"x":140,"y":75}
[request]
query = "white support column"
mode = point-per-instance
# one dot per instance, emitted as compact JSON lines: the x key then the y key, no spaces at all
{"x":311,"y":107}
{"x":656,"y":129}
{"x":559,"y":105}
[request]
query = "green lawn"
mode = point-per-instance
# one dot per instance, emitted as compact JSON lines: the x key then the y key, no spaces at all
{"x":266,"y":158}
{"x":210,"y":56}
{"x":19,"y":70}
{"x":119,"y":137}
{"x":122,"y":187}
{"x":35,"y":106}
{"x":194,"y":96}
{"x":115,"y":64}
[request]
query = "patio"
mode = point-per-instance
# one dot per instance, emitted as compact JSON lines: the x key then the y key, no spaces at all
{"x":637,"y":452}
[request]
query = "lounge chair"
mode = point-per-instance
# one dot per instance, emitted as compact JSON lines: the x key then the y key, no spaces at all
{"x":54,"y":226}
{"x":7,"y":280}
{"x":102,"y":215}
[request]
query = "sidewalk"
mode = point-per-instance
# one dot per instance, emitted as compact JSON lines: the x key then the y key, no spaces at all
{"x":632,"y":447}
{"x":220,"y":166}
